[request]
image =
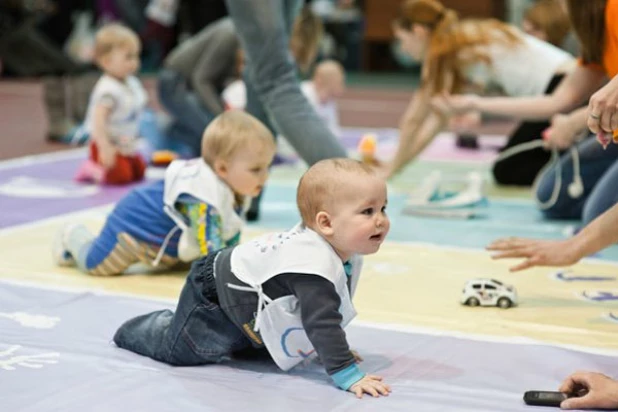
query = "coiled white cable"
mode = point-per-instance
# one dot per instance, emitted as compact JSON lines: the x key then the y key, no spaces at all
{"x":576,"y":187}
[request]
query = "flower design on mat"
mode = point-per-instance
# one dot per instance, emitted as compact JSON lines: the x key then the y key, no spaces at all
{"x":31,"y":321}
{"x":10,"y":360}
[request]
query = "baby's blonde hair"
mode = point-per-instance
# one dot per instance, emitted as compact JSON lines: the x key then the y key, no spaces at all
{"x":328,"y":71}
{"x":111,"y":36}
{"x":320,"y":186}
{"x":233,"y":130}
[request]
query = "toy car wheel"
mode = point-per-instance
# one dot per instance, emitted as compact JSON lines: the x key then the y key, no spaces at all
{"x":473,"y":302}
{"x":504,"y":303}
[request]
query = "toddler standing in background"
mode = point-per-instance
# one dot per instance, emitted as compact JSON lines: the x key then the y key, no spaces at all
{"x":116,"y":104}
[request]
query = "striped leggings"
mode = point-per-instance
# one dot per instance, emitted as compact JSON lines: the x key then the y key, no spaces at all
{"x":111,"y":254}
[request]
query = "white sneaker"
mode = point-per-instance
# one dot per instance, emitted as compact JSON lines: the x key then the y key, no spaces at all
{"x":60,"y":254}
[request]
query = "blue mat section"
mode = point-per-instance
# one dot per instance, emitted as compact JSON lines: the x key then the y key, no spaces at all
{"x":56,"y":355}
{"x":503,"y":218}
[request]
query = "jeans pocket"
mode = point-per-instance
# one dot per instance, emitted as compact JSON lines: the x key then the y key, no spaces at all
{"x":208,"y":334}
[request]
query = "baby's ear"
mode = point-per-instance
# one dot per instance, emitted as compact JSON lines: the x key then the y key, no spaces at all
{"x":324,"y":224}
{"x":220,"y":167}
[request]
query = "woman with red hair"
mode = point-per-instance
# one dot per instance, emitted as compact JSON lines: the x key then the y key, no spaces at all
{"x":473,"y":55}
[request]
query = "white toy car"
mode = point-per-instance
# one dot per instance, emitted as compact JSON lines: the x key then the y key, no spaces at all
{"x":488,"y":292}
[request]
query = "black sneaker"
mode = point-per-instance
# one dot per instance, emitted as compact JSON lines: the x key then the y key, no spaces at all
{"x":467,"y":141}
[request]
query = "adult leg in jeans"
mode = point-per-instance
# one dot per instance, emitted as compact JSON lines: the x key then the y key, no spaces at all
{"x":603,"y":196}
{"x":594,"y":162}
{"x":198,"y":332}
{"x":185,"y":107}
{"x":254,"y":106}
{"x":263,"y":28}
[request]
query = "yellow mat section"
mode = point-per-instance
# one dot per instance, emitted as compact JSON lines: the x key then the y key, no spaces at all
{"x":408,"y":284}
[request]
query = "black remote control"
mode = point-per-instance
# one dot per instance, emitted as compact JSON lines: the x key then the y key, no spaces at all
{"x":544,"y":398}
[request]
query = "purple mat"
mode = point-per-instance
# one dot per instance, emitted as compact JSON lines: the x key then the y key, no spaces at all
{"x":56,"y":355}
{"x":443,"y":148}
{"x":35,"y":191}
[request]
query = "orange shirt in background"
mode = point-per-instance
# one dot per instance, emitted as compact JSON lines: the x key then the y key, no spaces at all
{"x":610,"y":54}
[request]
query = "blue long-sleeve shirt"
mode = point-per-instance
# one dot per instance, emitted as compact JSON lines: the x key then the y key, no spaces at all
{"x":141,"y":215}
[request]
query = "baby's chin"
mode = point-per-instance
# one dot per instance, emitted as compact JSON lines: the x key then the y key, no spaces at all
{"x":253,"y":193}
{"x":371,"y":250}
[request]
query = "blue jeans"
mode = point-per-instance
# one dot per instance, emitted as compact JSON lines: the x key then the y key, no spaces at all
{"x":198,"y":333}
{"x":599,"y":172}
{"x":190,"y":115}
{"x":264,"y":28}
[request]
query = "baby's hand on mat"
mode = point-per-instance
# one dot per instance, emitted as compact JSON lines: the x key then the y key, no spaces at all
{"x":372,"y":385}
{"x":358,"y":358}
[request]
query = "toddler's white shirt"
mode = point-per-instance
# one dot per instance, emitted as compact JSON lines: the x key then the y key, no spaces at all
{"x":127,"y":101}
{"x":326,"y":111}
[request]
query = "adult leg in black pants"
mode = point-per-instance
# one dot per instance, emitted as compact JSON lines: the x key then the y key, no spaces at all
{"x":521,"y":169}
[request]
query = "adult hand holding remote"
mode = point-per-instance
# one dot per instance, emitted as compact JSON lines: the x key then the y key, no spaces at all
{"x":602,"y":391}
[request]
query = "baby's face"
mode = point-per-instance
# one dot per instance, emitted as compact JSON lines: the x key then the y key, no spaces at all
{"x":247,"y":170}
{"x":122,"y":61}
{"x":329,"y":89}
{"x":359,"y":220}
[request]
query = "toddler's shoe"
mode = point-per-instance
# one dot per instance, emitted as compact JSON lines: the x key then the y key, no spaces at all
{"x":90,"y":172}
{"x":60,"y":253}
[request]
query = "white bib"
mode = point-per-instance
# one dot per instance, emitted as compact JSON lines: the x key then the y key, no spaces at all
{"x":195,"y":178}
{"x":299,"y":250}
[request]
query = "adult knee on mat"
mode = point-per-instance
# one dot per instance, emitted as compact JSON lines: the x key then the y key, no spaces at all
{"x":519,"y":170}
{"x":562,"y":206}
{"x":603,"y":197}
